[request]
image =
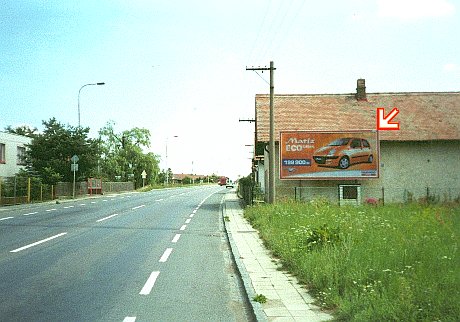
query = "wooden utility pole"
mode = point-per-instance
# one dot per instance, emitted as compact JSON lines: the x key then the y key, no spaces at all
{"x":271,"y":145}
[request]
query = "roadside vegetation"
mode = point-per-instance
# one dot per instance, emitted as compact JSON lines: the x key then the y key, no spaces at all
{"x":369,"y":263}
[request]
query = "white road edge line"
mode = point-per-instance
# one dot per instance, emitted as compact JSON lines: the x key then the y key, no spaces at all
{"x":102,"y":219}
{"x":138,"y":207}
{"x":166,"y":254}
{"x":149,"y":284}
{"x":6,"y":218}
{"x":183,"y":227}
{"x":176,"y":238}
{"x":129,"y":319}
{"x":37,"y":243}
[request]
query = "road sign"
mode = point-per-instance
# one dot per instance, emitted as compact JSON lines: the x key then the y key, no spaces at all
{"x":75,"y":159}
{"x":144,"y":174}
{"x":383,"y":123}
{"x":74,"y":167}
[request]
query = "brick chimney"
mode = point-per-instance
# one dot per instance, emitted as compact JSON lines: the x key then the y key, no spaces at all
{"x":361,"y":90}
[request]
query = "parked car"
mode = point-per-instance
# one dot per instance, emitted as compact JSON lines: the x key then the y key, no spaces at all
{"x":229,"y":184}
{"x":344,"y":152}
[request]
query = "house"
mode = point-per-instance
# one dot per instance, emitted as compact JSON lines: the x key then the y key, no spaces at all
{"x":177,"y":178}
{"x":420,"y":160}
{"x":12,"y":149}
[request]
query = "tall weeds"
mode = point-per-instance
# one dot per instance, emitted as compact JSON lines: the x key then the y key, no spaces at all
{"x":392,"y":263}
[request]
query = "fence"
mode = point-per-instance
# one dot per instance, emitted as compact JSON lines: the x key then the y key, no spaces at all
{"x":18,"y":190}
{"x":353,"y":194}
{"x":249,"y":192}
{"x":65,"y":189}
{"x":357,"y":194}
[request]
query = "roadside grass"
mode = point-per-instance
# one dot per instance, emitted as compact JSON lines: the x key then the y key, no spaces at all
{"x":367,"y":263}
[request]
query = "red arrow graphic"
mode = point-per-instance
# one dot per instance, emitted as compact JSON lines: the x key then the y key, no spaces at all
{"x":383,"y":122}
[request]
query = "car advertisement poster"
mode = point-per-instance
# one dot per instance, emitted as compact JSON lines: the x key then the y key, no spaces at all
{"x":318,"y":155}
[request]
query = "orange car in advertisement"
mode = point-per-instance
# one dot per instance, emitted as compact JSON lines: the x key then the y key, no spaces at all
{"x":344,"y":152}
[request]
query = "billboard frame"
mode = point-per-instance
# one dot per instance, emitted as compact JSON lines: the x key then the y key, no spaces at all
{"x":325,"y":177}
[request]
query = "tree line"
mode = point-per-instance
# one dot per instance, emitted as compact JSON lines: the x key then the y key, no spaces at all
{"x":111,"y":157}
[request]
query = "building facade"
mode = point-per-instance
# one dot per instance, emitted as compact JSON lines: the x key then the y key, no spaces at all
{"x":420,"y":160}
{"x":12,"y":149}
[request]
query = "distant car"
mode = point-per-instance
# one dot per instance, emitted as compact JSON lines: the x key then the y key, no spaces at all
{"x":229,"y":184}
{"x":344,"y":152}
{"x":223,"y":181}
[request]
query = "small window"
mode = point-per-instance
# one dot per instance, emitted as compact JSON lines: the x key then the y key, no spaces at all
{"x":349,"y":195}
{"x":2,"y":153}
{"x":350,"y":192}
{"x":366,"y":144}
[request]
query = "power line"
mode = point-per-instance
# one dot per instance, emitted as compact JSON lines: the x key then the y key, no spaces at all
{"x":271,"y":26}
{"x":258,"y":33}
{"x":277,"y":30}
{"x":289,"y":27}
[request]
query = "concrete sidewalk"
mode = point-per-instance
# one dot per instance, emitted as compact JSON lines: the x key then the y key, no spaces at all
{"x":286,"y":299}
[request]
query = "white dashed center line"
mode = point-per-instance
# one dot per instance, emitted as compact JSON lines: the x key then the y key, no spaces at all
{"x":138,"y":207}
{"x":107,"y":217}
{"x":149,"y":284}
{"x":166,"y":254}
{"x":6,"y":218}
{"x":37,"y":243}
{"x":176,"y":238}
{"x":183,"y":227}
{"x":130,"y":319}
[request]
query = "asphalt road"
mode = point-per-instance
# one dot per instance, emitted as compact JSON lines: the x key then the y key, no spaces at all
{"x":155,"y":256}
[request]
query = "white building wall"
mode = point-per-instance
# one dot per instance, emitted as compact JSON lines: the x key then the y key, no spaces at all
{"x":407,"y":169}
{"x":11,"y":142}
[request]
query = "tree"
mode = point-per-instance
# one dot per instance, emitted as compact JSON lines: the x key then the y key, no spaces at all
{"x":50,"y":152}
{"x":24,"y":130}
{"x":123,"y":155}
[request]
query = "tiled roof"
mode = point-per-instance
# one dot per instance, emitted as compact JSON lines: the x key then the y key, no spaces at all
{"x":181,"y":176}
{"x":422,"y":116}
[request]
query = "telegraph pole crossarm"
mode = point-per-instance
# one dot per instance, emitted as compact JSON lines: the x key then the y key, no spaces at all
{"x":248,"y":120}
{"x":259,"y":68}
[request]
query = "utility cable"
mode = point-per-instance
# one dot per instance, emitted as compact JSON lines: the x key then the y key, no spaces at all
{"x":271,"y":26}
{"x":289,"y":28}
{"x":258,"y":33}
{"x":277,"y":30}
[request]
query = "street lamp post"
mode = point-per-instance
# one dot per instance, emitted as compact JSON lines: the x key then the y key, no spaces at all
{"x":79,"y":99}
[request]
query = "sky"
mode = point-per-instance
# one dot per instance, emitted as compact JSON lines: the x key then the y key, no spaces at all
{"x":178,"y":68}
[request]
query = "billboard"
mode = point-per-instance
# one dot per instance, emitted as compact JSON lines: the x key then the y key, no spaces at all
{"x":320,"y":155}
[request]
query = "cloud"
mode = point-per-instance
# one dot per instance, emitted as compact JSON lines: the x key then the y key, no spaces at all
{"x":415,"y":9}
{"x":452,"y":68}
